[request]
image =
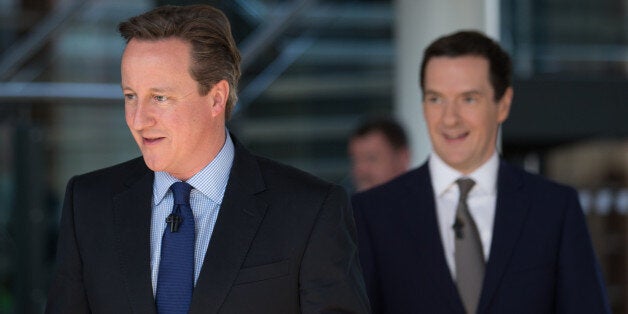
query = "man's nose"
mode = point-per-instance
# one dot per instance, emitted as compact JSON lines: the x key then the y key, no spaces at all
{"x":143,"y":116}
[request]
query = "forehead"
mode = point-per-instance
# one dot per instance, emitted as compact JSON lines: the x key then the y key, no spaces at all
{"x":457,"y":73}
{"x":161,"y":63}
{"x":156,"y":52}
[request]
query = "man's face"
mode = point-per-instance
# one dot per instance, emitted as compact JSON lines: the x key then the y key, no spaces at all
{"x":461,"y":112}
{"x":177,"y":130}
{"x":375,"y":161}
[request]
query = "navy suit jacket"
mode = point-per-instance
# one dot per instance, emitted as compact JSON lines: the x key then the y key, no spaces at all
{"x":284,"y":242}
{"x":541,"y":258}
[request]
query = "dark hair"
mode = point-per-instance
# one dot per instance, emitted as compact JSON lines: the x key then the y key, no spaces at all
{"x":464,"y":43}
{"x":392,"y":131}
{"x":215,"y":56}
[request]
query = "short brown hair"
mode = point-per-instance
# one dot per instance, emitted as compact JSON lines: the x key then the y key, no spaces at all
{"x":473,"y":43}
{"x":215,"y":56}
{"x":390,"y":128}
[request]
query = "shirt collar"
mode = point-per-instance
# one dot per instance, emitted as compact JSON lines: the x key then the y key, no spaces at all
{"x":211,"y":181}
{"x":444,"y":176}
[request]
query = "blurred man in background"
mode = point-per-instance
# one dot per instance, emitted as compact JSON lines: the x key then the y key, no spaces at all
{"x":378,"y":151}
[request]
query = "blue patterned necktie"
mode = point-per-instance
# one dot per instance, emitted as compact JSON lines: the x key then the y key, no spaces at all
{"x":175,"y":281}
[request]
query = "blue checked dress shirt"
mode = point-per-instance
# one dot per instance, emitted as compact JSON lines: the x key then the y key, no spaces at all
{"x":209,"y":188}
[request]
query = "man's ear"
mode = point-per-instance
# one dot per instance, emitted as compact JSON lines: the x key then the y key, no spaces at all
{"x":504,"y":105}
{"x":218,"y":96}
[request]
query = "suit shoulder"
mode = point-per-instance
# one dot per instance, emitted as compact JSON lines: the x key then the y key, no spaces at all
{"x":397,"y":188}
{"x":298,"y":194}
{"x":538,"y":182}
{"x":113,"y":173}
{"x":290,"y":178}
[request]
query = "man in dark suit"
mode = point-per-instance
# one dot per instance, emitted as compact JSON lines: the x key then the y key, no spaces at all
{"x":467,"y":232}
{"x":199,"y":225}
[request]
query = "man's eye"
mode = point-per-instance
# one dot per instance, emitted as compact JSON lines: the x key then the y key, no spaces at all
{"x":129,"y":96}
{"x":160,"y":98}
{"x":433,"y":99}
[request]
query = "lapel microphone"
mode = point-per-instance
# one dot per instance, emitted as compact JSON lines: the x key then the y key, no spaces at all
{"x":458,"y":226}
{"x":174,"y":221}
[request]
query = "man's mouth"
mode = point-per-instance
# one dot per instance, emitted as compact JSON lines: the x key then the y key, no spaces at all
{"x":455,"y":136}
{"x":151,"y":140}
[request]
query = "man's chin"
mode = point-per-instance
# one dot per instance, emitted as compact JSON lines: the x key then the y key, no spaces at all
{"x":153,"y":164}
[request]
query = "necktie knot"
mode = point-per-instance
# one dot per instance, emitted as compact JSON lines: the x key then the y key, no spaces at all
{"x":465,"y":185}
{"x":181,"y":193}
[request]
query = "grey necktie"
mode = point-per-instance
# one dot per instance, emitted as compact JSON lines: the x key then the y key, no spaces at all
{"x":468,"y":255}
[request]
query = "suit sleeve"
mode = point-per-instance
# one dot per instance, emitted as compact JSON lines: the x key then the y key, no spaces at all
{"x":367,"y":258}
{"x":330,"y":276}
{"x":67,"y":292}
{"x":580,"y":286}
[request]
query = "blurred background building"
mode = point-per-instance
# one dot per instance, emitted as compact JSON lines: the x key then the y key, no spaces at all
{"x":311,"y":70}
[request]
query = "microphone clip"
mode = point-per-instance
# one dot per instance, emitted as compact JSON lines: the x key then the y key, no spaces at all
{"x":458,"y":226}
{"x":174,"y":221}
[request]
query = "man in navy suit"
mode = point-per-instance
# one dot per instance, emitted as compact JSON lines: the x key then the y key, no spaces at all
{"x":418,"y":234}
{"x":250,"y":235}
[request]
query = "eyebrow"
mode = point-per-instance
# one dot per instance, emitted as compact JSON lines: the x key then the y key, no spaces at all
{"x":469,"y":92}
{"x":152,"y":90}
{"x":430,"y":92}
{"x":160,"y":89}
{"x":472,"y":92}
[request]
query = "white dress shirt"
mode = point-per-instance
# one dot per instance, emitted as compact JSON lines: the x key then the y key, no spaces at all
{"x":481,"y":202}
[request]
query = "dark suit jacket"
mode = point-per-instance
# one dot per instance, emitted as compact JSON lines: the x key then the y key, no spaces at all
{"x":541,"y":259}
{"x":284,"y":242}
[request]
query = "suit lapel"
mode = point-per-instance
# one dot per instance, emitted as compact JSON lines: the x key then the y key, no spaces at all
{"x":422,"y":224}
{"x":510,"y":216}
{"x":132,"y":217}
{"x":238,"y":221}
